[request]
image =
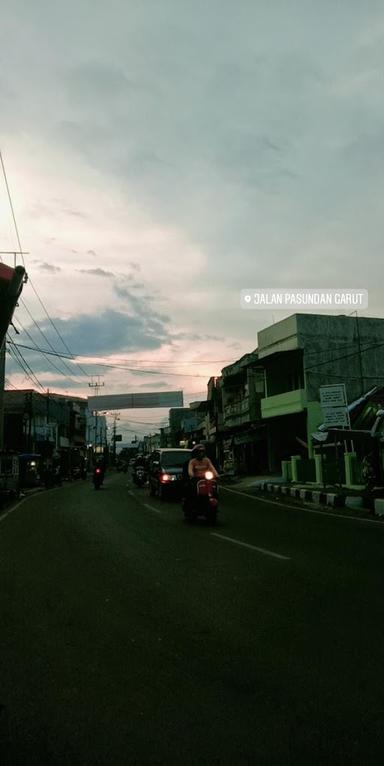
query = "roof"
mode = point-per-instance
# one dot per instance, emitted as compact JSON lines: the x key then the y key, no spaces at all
{"x":240,"y":364}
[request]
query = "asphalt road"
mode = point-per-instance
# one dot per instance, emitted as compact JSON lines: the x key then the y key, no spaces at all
{"x":129,"y":637}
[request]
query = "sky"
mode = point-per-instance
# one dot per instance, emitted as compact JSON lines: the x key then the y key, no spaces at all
{"x":163,"y":155}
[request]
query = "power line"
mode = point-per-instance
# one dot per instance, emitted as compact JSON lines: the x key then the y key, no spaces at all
{"x":21,"y":253}
{"x":53,"y":365}
{"x":12,"y":209}
{"x":317,"y":352}
{"x":20,"y":360}
{"x":44,"y":336}
{"x":171,"y":361}
{"x":71,"y":355}
{"x":346,"y":356}
{"x":111,"y":366}
{"x":18,"y":357}
{"x":8,"y":383}
{"x":350,"y":377}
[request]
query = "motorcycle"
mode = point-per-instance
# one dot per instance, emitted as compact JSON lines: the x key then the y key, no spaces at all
{"x":202,"y":500}
{"x":139,"y":476}
{"x":98,"y":478}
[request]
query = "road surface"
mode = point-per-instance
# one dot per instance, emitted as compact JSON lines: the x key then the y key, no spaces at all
{"x":129,"y":637}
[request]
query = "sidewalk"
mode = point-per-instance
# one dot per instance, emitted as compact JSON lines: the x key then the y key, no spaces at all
{"x":347,"y":497}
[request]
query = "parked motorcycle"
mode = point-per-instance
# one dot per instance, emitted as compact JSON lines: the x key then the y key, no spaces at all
{"x":139,"y":476}
{"x":201,"y":499}
{"x":98,"y":478}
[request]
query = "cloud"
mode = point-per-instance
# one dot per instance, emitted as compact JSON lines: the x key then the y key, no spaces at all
{"x":110,"y":331}
{"x":142,"y":304}
{"x":94,"y":80}
{"x":205,"y":148}
{"x":154,"y":384}
{"x":192,"y":336}
{"x":96,"y":272}
{"x":48,"y":267}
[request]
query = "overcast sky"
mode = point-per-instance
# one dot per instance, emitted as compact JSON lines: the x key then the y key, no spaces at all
{"x":164,"y":154}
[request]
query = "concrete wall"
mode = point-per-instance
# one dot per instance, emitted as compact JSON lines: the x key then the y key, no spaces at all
{"x":281,"y":336}
{"x":335,"y":339}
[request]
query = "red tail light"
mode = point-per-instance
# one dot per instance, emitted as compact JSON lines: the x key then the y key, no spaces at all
{"x":165,"y":477}
{"x":98,"y":470}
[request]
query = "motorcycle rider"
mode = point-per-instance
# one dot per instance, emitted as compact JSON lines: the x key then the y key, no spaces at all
{"x":140,"y":461}
{"x":100,"y":466}
{"x":193,"y":470}
{"x":186,"y":477}
{"x":200,"y":463}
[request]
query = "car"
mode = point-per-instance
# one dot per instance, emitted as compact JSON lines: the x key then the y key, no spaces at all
{"x":165,"y":472}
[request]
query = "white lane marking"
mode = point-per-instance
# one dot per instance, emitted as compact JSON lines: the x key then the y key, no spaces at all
{"x":305,"y":510}
{"x":151,"y":508}
{"x":253,"y":547}
{"x":7,"y":513}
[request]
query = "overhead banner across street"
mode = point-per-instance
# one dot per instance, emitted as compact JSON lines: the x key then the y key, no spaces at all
{"x":136,"y":401}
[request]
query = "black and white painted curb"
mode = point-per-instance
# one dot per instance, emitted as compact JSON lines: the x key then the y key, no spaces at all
{"x":320,"y":497}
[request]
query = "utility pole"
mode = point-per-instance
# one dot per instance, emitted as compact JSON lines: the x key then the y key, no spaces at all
{"x":96,"y":385}
{"x":115,"y":419}
{"x":361,"y":376}
{"x":30,"y":417}
{"x":359,"y":353}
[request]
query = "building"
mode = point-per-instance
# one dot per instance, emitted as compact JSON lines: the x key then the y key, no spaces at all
{"x":165,"y":437}
{"x":51,"y":425}
{"x":242,"y":436}
{"x":151,"y":442}
{"x":96,"y":431}
{"x":178,"y":417}
{"x":214,"y":419}
{"x":302,"y":353}
{"x":194,"y":425}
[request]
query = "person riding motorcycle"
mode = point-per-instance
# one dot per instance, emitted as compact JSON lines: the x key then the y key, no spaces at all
{"x":194,"y":470}
{"x":200,"y":463}
{"x":140,"y":460}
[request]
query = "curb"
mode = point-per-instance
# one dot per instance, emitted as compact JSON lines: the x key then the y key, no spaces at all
{"x":319,"y":497}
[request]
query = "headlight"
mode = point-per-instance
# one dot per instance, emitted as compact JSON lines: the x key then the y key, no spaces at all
{"x":208,"y":475}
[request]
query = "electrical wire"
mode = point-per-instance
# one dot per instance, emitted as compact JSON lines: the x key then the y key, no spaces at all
{"x":67,"y":367}
{"x":30,"y":281}
{"x":111,"y":366}
{"x":170,"y":361}
{"x":53,"y":365}
{"x":21,"y":361}
{"x":8,"y":383}
{"x":350,"y":377}
{"x":12,"y":209}
{"x":330,"y":350}
{"x":346,"y":356}
{"x":71,"y":355}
